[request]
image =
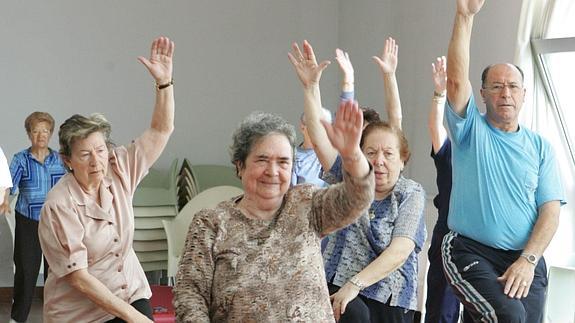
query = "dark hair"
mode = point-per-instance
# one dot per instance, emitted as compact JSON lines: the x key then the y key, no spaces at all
{"x":486,"y":71}
{"x":370,"y":115}
{"x":254,"y":127}
{"x":404,"y":152}
{"x":36,"y":117}
{"x":80,"y":127}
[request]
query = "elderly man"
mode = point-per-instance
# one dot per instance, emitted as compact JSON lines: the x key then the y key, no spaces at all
{"x":507,"y":192}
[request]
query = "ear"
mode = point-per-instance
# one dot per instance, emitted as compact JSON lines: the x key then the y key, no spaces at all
{"x":239,"y":169}
{"x":482,"y":94}
{"x":66,"y":161}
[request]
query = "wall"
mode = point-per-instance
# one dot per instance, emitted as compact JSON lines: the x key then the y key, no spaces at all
{"x":69,"y":57}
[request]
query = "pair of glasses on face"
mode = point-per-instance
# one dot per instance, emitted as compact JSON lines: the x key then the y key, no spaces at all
{"x":500,"y":87}
{"x":40,"y":131}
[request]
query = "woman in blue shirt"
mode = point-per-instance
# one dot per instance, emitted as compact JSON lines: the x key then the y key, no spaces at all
{"x":371,"y":265}
{"x":34,"y":171}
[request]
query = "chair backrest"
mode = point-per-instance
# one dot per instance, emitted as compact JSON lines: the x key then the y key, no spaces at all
{"x":215,"y":175}
{"x":560,"y":298}
{"x":177,"y":229}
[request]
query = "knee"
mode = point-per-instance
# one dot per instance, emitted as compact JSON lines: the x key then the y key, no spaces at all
{"x":356,"y":311}
{"x":512,"y":311}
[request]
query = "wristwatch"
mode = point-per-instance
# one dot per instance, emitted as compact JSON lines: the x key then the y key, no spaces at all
{"x":530,"y":257}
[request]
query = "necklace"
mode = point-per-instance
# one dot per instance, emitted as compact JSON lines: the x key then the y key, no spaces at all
{"x":375,"y":205}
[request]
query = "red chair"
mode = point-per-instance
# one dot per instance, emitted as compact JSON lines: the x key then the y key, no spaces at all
{"x":161,"y":302}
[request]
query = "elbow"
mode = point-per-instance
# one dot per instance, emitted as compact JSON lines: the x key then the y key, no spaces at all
{"x":75,"y":279}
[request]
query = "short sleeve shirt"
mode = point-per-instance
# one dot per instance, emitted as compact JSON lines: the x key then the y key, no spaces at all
{"x":76,"y":233}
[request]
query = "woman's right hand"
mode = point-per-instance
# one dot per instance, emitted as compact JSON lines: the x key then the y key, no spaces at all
{"x":345,"y":133}
{"x":440,"y":74}
{"x":5,"y":208}
{"x":305,"y":64}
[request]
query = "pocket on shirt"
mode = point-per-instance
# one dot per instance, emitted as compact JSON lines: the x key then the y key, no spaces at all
{"x":530,"y":185}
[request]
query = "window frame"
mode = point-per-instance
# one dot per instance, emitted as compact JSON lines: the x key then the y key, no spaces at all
{"x":539,"y":48}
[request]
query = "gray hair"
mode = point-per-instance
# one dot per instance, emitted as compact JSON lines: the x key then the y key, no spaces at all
{"x":254,"y":127}
{"x":80,"y":127}
{"x":325,"y":115}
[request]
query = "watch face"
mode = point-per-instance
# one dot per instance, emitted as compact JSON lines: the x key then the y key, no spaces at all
{"x":532,"y":258}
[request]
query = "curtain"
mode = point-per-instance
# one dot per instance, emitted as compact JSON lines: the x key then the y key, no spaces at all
{"x":541,"y":19}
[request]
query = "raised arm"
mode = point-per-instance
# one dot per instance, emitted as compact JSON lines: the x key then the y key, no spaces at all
{"x":347,"y":73}
{"x":435,"y":120}
{"x":309,"y":73}
{"x":388,"y":64}
{"x":458,"y":84}
{"x":160,"y":67}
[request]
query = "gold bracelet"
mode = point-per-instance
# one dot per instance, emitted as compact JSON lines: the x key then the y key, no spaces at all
{"x":438,"y":95}
{"x":357,"y":283}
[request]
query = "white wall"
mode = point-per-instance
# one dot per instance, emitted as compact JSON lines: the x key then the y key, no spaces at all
{"x":69,"y":57}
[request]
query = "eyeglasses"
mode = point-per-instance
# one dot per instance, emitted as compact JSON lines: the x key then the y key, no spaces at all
{"x":498,"y":88}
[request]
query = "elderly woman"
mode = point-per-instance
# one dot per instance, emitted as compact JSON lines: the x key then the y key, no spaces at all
{"x":34,"y":171}
{"x":256,"y":258}
{"x":371,"y":266}
{"x":87,"y":222}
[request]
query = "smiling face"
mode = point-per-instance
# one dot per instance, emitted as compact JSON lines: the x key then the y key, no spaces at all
{"x":382,"y":149}
{"x":89,"y":161}
{"x":266,"y":173}
{"x":40,"y":134}
{"x":503,"y":94}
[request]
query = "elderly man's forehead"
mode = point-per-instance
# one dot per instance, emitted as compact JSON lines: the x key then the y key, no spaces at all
{"x":498,"y":71}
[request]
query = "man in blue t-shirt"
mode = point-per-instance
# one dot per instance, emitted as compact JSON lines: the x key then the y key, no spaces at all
{"x":506,"y":191}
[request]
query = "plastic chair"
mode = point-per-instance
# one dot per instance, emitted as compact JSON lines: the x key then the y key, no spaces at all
{"x":560,"y":299}
{"x":177,"y":229}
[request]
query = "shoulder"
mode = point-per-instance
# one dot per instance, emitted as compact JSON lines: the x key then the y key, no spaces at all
{"x":301,"y":192}
{"x":407,"y":188}
{"x":21,"y":155}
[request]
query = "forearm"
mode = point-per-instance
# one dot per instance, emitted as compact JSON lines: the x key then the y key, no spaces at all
{"x":100,"y":295}
{"x":312,"y":111}
{"x":161,"y":126}
{"x":435,"y":126}
{"x":392,"y":101}
{"x":458,"y":56}
{"x":544,"y":229}
{"x":341,"y":204}
{"x":390,"y":259}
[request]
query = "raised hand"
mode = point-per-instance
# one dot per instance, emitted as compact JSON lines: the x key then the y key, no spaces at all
{"x":469,"y":7}
{"x":305,"y":64}
{"x":345,"y":133}
{"x":345,"y":66}
{"x":388,"y":60}
{"x":160,"y":62}
{"x":440,"y":74}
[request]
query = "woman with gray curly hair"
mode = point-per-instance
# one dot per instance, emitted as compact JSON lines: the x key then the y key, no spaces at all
{"x":256,"y":257}
{"x":87,"y":223}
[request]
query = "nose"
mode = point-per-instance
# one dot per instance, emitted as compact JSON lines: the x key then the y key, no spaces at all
{"x":379,"y":159}
{"x":272,"y":169}
{"x":93,"y":157}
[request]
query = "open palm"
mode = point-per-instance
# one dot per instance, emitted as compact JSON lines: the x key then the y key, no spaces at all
{"x":305,"y":64}
{"x":160,"y":62}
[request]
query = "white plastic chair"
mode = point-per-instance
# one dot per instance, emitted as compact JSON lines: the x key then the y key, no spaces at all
{"x":560,"y":299}
{"x":177,"y":229}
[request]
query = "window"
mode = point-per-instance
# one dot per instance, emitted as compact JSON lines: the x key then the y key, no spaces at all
{"x":555,"y":60}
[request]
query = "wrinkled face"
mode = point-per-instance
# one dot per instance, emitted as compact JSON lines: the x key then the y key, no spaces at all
{"x":266,"y":173}
{"x":381,"y":147}
{"x":40,"y":134}
{"x":503,"y":94}
{"x":89,"y":160}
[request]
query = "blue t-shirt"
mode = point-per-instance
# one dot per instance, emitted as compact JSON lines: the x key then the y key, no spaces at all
{"x":500,"y":179}
{"x":33,"y":180}
{"x":442,"y":160}
{"x":306,"y":168}
{"x":353,"y":248}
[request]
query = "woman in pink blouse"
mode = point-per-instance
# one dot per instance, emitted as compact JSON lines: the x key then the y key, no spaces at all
{"x":87,"y":223}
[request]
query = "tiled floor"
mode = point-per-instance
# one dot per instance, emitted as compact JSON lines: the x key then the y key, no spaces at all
{"x":35,"y":313}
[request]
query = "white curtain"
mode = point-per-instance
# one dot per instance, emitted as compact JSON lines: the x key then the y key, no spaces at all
{"x":548,"y":19}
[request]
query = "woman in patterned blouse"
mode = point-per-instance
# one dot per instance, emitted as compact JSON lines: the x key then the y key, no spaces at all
{"x":256,"y":257}
{"x":371,"y":266}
